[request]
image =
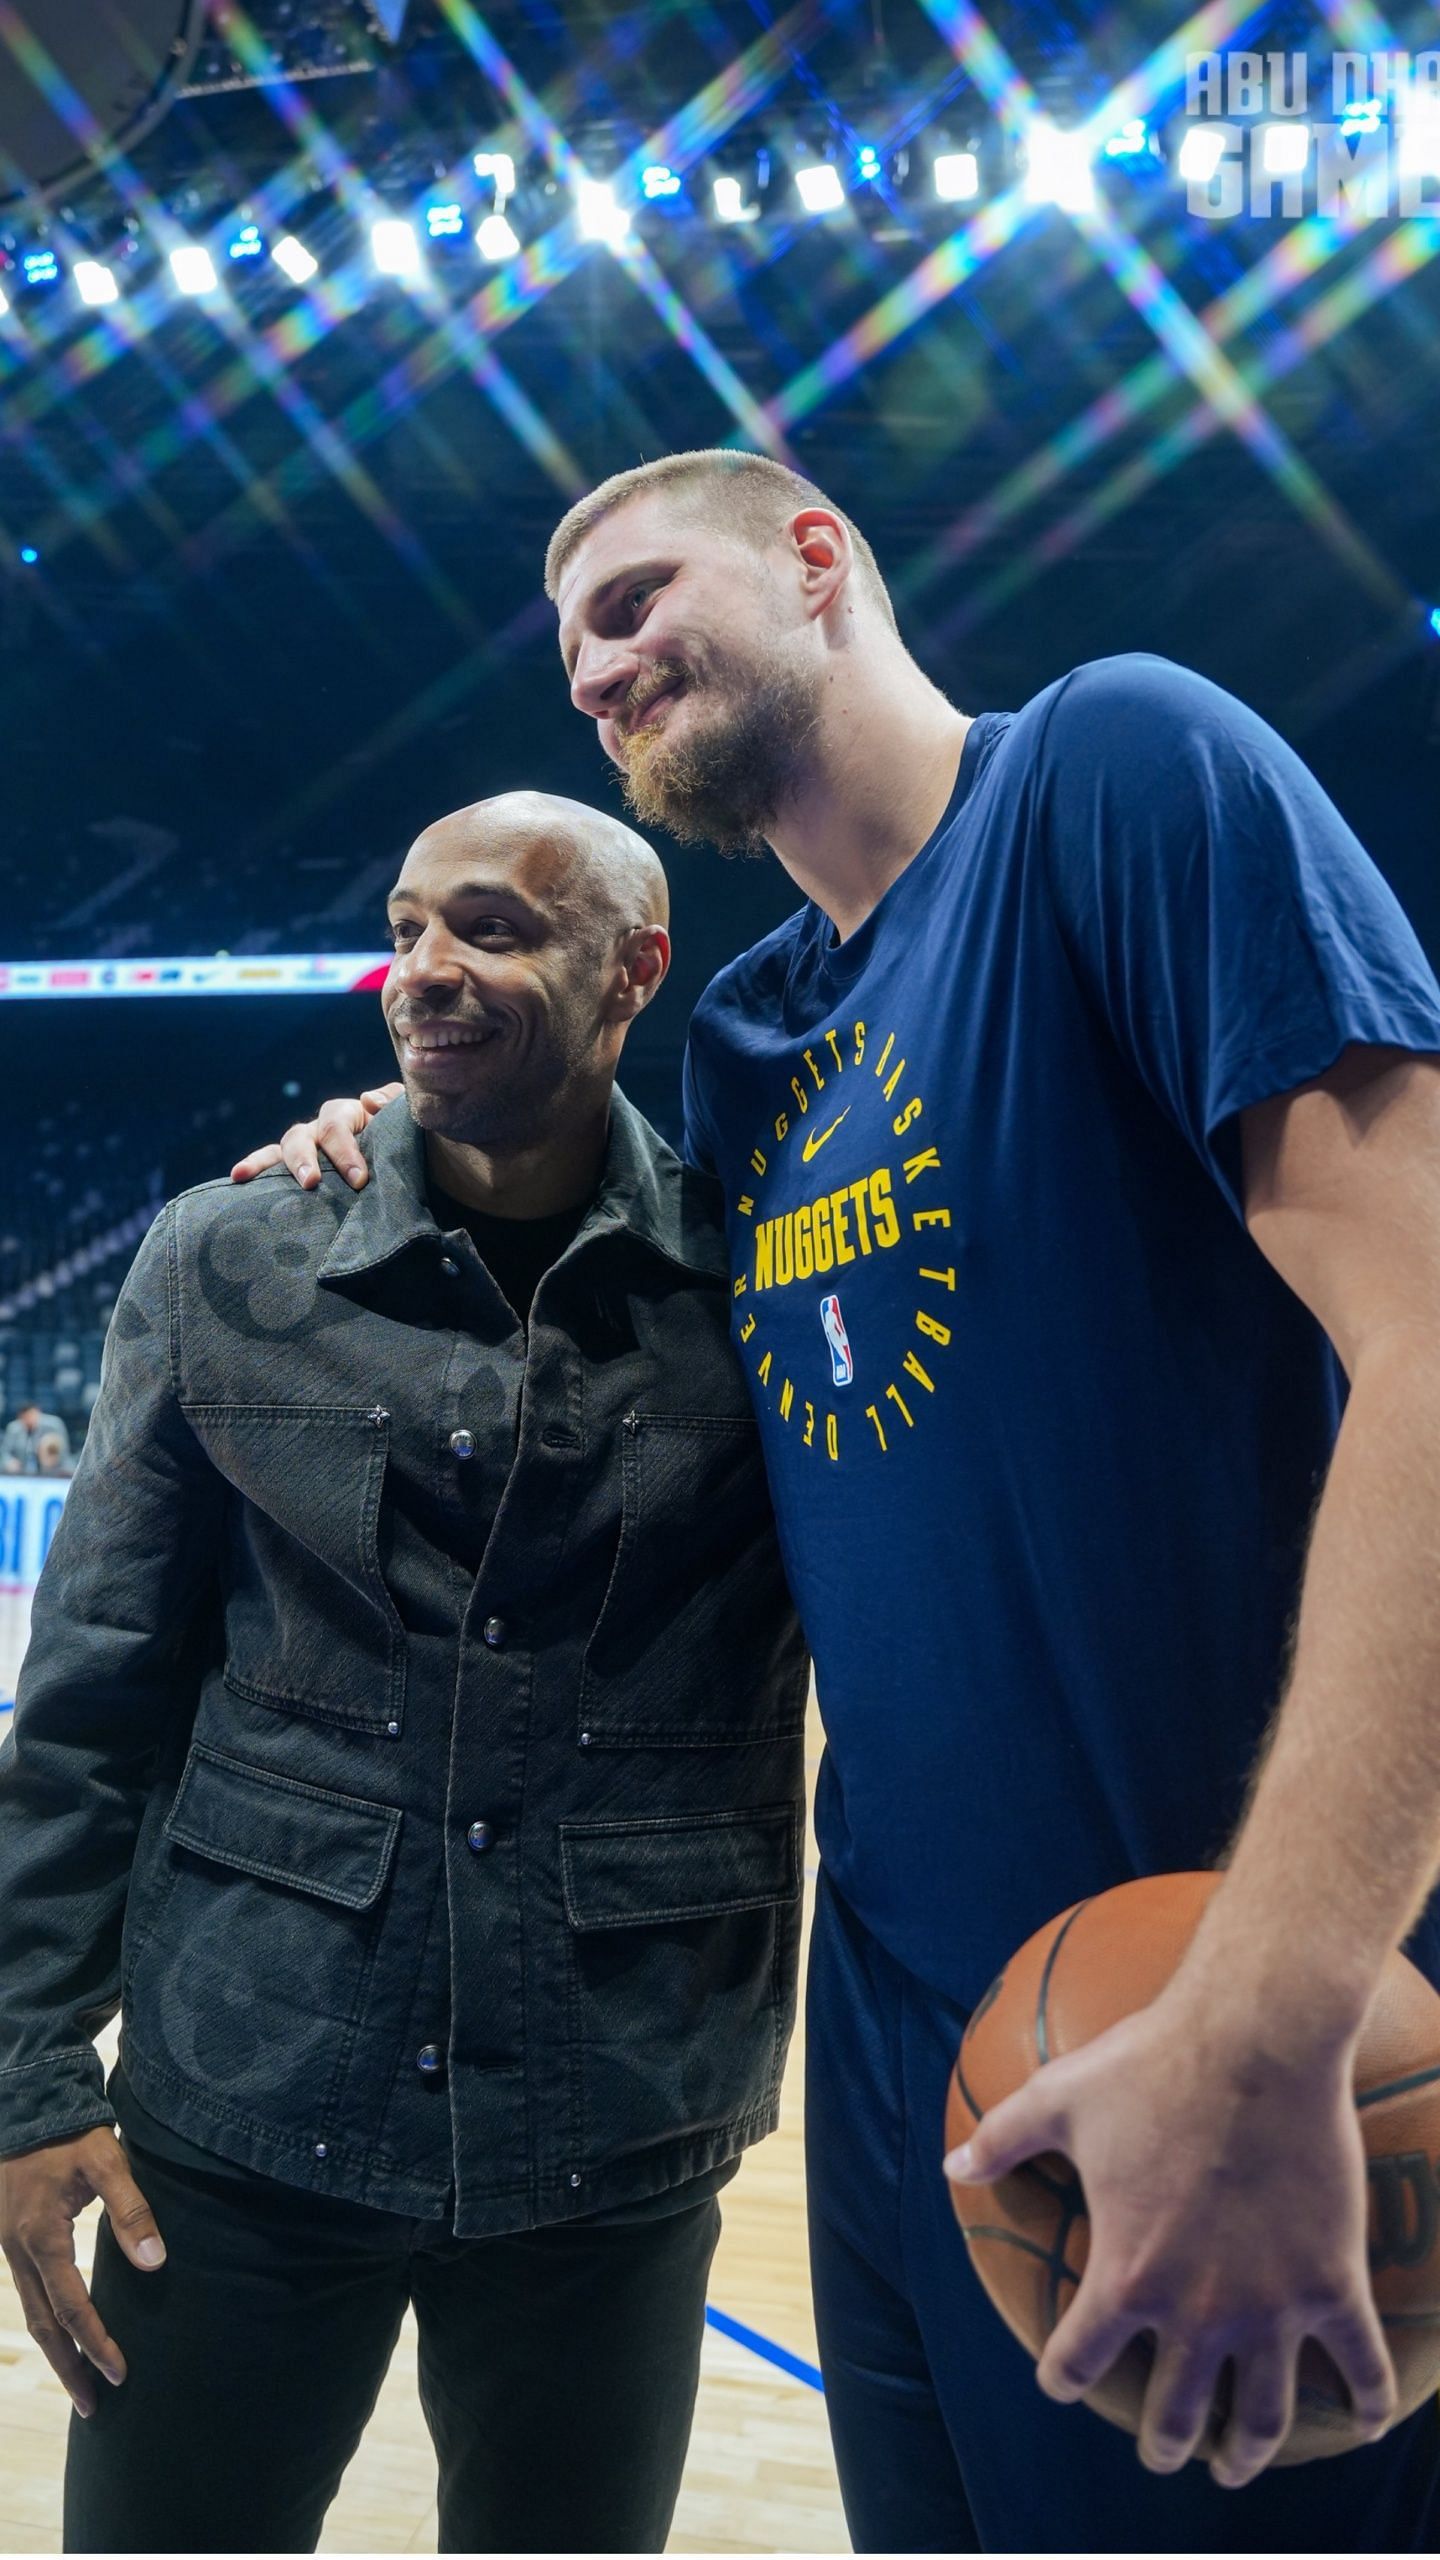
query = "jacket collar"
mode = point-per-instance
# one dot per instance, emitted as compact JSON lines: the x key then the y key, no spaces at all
{"x":645,"y":1191}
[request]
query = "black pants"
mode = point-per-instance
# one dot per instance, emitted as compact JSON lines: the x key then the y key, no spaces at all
{"x":558,"y":2371}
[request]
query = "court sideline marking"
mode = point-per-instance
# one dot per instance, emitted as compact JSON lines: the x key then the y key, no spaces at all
{"x":760,"y":2345}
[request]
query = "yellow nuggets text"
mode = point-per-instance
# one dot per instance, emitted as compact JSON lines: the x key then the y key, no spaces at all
{"x":852,"y":1222}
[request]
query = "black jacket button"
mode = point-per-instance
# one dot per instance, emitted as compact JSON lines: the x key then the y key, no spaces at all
{"x":429,"y":2058}
{"x":494,"y":1632}
{"x":479,"y":1836}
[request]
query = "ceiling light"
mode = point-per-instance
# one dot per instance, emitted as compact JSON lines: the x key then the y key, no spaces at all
{"x":495,"y":240}
{"x":1284,"y":148}
{"x":600,"y":216}
{"x":1201,"y":153}
{"x":95,"y":283}
{"x":193,"y":269}
{"x":294,"y":260}
{"x":499,"y":166}
{"x":820,"y":188}
{"x":1419,"y":133}
{"x":1365,"y":116}
{"x":957,"y":176}
{"x":394,"y":248}
{"x":1057,"y":167}
{"x":728,"y":197}
{"x":1132,"y":142}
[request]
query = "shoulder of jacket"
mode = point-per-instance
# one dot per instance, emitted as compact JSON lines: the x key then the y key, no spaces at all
{"x":270,"y":1199}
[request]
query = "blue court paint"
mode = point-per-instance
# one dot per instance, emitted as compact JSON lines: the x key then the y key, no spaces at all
{"x":762,"y":2346}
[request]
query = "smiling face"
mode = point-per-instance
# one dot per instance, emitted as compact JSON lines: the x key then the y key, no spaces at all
{"x":687,"y":648}
{"x":502,"y":991}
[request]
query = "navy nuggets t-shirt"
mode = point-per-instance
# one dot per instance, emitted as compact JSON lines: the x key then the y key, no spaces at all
{"x":1044,"y":1429}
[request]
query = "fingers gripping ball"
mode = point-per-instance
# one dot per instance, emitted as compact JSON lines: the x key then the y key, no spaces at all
{"x":1028,"y":2235}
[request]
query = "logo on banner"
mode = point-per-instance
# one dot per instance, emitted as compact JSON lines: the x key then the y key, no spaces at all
{"x":1276,"y":135}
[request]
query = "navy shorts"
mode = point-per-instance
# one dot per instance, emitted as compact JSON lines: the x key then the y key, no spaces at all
{"x":943,"y":2440}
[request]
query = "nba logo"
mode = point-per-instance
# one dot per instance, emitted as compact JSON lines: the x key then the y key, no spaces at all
{"x":842,"y":1358}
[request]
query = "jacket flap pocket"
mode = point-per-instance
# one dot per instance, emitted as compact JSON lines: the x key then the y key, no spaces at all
{"x":619,"y":1875}
{"x":336,"y":1846}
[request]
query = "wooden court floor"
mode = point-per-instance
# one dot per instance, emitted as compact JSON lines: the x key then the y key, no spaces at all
{"x":759,"y":2477}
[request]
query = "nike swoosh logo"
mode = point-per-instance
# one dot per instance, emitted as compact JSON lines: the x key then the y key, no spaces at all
{"x":817,"y":1137}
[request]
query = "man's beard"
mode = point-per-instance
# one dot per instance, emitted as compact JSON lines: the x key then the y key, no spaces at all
{"x":725,"y":781}
{"x":513,"y":1110}
{"x":499,"y":1122}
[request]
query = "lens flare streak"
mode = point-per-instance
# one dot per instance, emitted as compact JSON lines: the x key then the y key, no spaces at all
{"x":1399,"y":257}
{"x":1228,"y":388}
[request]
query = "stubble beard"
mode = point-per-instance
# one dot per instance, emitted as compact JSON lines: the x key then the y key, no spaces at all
{"x":468,"y":1122}
{"x":726,"y":780}
{"x":519,"y":1107}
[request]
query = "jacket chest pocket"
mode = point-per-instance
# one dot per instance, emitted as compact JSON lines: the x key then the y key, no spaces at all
{"x":310,"y":1626}
{"x":683,"y":1939}
{"x":256,"y":1952}
{"x":696,"y":1642}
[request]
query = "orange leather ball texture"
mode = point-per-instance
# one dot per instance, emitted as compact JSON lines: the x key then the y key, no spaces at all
{"x":1028,"y":2235}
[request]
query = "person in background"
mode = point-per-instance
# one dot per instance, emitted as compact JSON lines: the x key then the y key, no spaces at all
{"x":36,"y":1443}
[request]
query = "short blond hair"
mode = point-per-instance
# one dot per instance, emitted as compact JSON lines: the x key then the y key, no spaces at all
{"x":746,"y":495}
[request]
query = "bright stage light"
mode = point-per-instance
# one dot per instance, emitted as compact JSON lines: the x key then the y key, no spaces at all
{"x":728,"y":197}
{"x":1132,"y":142}
{"x":94,"y":283}
{"x":495,"y":240}
{"x":957,"y":177}
{"x":600,"y":217}
{"x":1366,"y":116}
{"x":247,"y":242}
{"x":1284,"y":149}
{"x":4,"y":302}
{"x":867,"y":164}
{"x":193,"y":269}
{"x":657,"y":181}
{"x":1057,"y":167}
{"x":29,"y":554}
{"x":445,"y":222}
{"x":394,"y":248}
{"x":820,"y":187}
{"x":499,"y":166}
{"x":1419,"y":133}
{"x":1434,"y":616}
{"x":294,"y":260}
{"x":1201,"y":153}
{"x":40,"y":266}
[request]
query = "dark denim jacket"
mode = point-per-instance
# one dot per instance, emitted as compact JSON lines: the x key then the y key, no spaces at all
{"x":497,"y":1889}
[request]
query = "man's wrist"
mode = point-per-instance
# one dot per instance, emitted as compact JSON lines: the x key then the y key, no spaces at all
{"x":1265,"y":2002}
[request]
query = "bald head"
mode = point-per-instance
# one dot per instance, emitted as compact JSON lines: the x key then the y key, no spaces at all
{"x":594,"y":875}
{"x":529,"y":932}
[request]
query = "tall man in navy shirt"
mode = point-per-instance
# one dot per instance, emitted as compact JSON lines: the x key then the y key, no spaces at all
{"x":1076,"y":1136}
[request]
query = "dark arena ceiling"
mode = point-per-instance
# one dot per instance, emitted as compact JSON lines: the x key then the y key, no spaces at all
{"x":270,"y":555}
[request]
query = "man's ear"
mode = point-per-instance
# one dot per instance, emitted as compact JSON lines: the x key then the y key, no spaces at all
{"x":823,"y":547}
{"x":644,"y":960}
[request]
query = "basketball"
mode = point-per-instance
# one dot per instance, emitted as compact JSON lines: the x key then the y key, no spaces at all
{"x":1028,"y":2235}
